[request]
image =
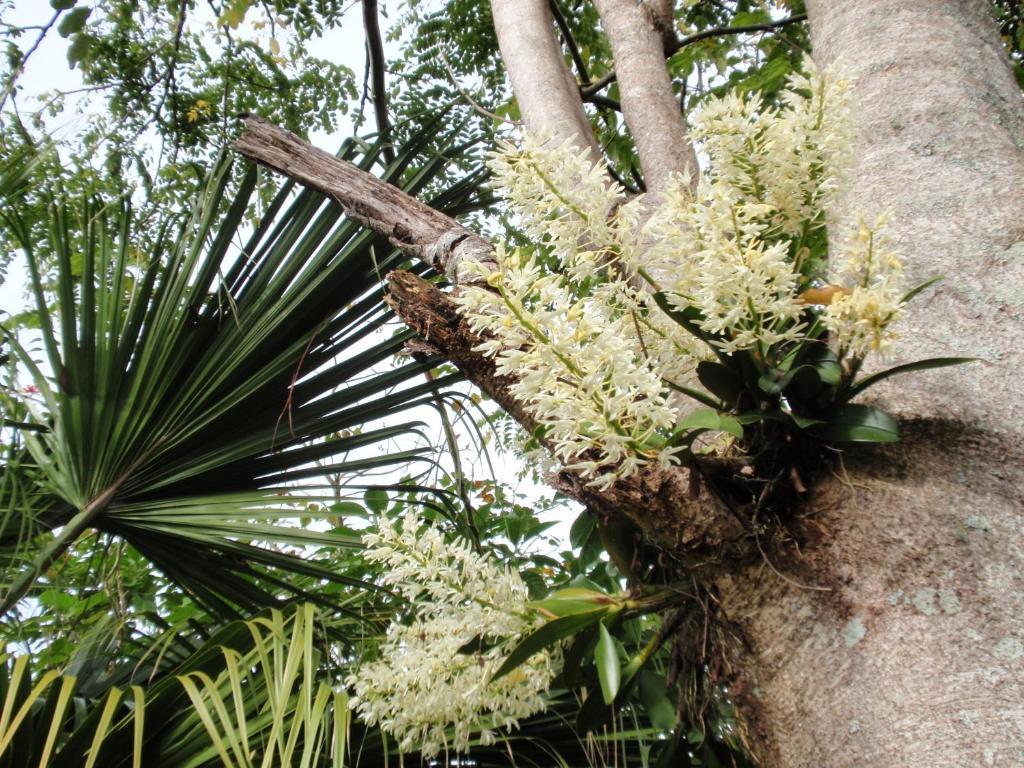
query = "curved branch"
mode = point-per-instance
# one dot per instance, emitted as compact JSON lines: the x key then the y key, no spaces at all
{"x":570,"y":41}
{"x":20,"y":67}
{"x":375,"y":53}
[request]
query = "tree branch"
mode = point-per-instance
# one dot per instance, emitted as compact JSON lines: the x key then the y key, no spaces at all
{"x":656,"y":498}
{"x":648,"y":102}
{"x":587,"y":91}
{"x":570,"y":41}
{"x":375,"y":51}
{"x":548,"y":96}
{"x":412,"y":226}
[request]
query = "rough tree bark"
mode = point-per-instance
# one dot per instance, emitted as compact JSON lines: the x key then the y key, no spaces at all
{"x":414,"y":227}
{"x":916,"y":658}
{"x":910,"y":650}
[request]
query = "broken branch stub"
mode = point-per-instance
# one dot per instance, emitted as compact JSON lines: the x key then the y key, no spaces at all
{"x":410,"y":225}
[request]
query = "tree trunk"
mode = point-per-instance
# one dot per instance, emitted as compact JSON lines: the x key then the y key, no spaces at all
{"x":916,"y":656}
{"x":548,"y":95}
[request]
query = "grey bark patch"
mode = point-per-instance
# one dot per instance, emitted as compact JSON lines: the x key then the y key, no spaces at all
{"x":968,"y":717}
{"x":1009,"y":648}
{"x":978,"y":523}
{"x":854,"y":632}
{"x":924,"y":601}
{"x":949,"y":602}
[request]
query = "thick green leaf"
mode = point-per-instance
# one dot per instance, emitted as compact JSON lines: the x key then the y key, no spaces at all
{"x":606,"y":657}
{"x":919,"y":365}
{"x":803,"y":422}
{"x":853,"y":423}
{"x":689,"y":318}
{"x":701,"y":397}
{"x":573,"y":600}
{"x":721,"y":381}
{"x":814,"y":365}
{"x":656,"y":702}
{"x":547,"y":635}
{"x":582,"y":529}
{"x":579,"y":650}
{"x":376,"y":500}
{"x":706,"y":418}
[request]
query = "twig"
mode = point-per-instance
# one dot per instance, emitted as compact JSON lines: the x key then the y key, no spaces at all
{"x":289,"y":401}
{"x":460,"y":476}
{"x":757,"y":540}
{"x":9,"y":88}
{"x":472,"y":102}
{"x":366,"y":92}
{"x":588,"y":91}
{"x":570,"y":42}
{"x":375,"y":49}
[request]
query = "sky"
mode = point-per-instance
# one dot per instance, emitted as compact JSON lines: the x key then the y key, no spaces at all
{"x":49,"y":70}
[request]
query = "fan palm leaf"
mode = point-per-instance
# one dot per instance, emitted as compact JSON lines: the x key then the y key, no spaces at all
{"x":187,"y":392}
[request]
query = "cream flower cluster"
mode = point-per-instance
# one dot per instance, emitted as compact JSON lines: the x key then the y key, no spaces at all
{"x":589,"y":350}
{"x":561,"y":198}
{"x":576,"y":362}
{"x":428,"y":689}
{"x":789,"y":158}
{"x":860,"y":318}
{"x":715,"y":256}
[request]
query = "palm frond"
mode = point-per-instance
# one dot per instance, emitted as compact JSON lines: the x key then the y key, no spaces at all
{"x":188,"y":392}
{"x":253,"y":696}
{"x":258,"y":693}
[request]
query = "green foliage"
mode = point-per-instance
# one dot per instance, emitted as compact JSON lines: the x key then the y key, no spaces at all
{"x":194,"y":387}
{"x":798,"y":387}
{"x":254,"y":695}
{"x":200,"y":369}
{"x":166,"y":82}
{"x":1009,"y":16}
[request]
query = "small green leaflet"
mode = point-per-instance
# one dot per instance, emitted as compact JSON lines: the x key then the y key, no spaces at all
{"x":606,"y":656}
